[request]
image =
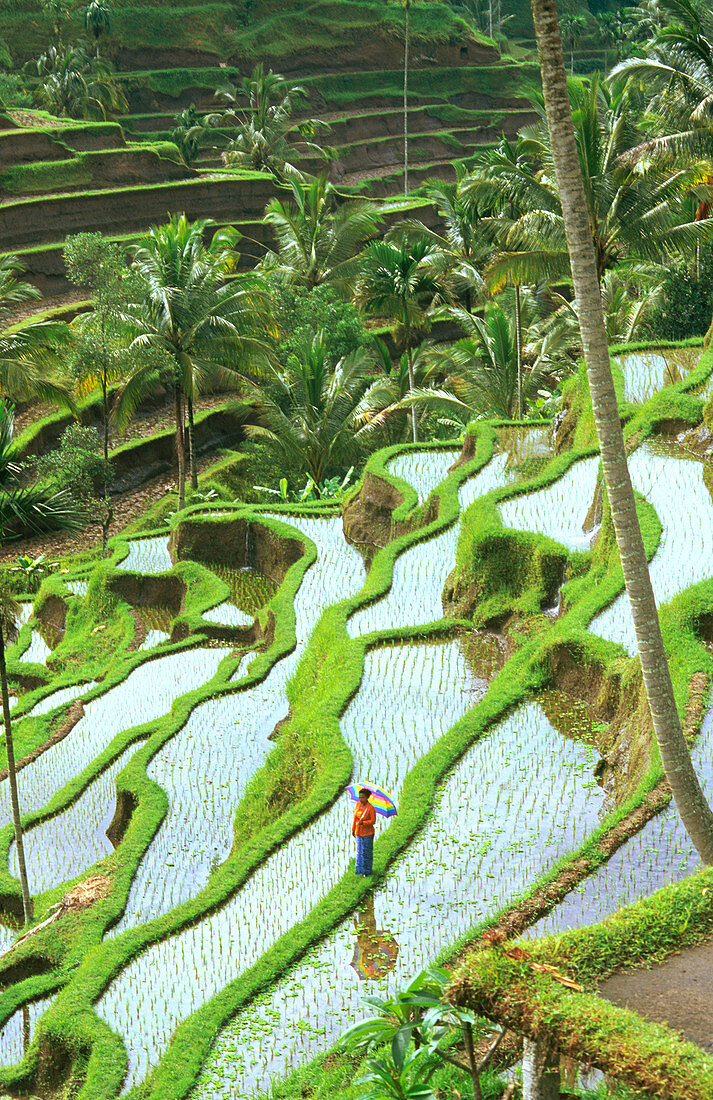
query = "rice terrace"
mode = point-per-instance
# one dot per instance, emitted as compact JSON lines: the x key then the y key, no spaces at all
{"x":356,"y":550}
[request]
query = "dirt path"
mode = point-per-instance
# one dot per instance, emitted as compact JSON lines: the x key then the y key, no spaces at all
{"x":678,"y":992}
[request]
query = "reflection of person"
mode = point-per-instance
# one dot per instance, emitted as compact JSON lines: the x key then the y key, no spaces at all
{"x":376,"y":951}
{"x":363,"y":830}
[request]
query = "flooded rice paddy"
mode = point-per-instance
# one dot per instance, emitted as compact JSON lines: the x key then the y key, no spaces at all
{"x":673,"y":483}
{"x":520,"y":799}
{"x":647,"y":372}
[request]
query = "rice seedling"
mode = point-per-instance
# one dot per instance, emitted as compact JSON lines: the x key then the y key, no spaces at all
{"x":472,"y":857}
{"x":424,"y":470}
{"x":148,"y":692}
{"x":148,"y":556}
{"x":672,"y":482}
{"x":223,"y":744}
{"x":403,"y":707}
{"x":420,"y":573}
{"x":37,"y":651}
{"x":647,"y":372}
{"x":63,"y":847}
{"x":660,"y":854}
{"x":559,"y":510}
{"x":18,"y":1032}
{"x":60,"y":698}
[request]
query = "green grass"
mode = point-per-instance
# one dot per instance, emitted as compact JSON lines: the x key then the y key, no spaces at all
{"x":326,"y":677}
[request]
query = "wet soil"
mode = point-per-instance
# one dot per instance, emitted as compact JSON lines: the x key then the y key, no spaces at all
{"x":678,"y":992}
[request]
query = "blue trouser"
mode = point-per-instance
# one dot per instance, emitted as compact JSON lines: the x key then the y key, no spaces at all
{"x":365,"y":855}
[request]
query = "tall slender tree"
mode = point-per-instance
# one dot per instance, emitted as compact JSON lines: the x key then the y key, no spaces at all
{"x":9,"y":616}
{"x":197,"y":320}
{"x":407,"y":36}
{"x":400,"y":280}
{"x":692,"y":806}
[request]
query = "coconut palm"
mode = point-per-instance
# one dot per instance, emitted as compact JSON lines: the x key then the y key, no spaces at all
{"x":30,"y":352}
{"x":483,"y":370}
{"x":462,"y":238}
{"x":196,"y":323}
{"x":76,"y":85}
{"x":260,"y":110}
{"x":400,"y":281}
{"x":9,"y":618}
{"x":383,"y":407}
{"x":566,"y":157}
{"x":638,"y":212}
{"x":677,"y":73}
{"x":573,"y":29}
{"x":319,"y":237}
{"x":308,"y":411}
{"x":97,"y":19}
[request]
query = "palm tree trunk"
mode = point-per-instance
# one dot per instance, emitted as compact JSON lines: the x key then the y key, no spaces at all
{"x":692,"y":806}
{"x":407,"y":6}
{"x":411,"y":386}
{"x":540,"y":1071}
{"x":180,"y":446}
{"x":518,"y":337}
{"x":192,"y":445}
{"x":12,"y":780}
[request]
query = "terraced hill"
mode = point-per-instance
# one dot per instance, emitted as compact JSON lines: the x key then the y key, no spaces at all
{"x":56,"y":179}
{"x":215,"y":955}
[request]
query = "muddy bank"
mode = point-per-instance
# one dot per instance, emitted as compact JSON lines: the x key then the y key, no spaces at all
{"x":367,"y":519}
{"x":236,"y":543}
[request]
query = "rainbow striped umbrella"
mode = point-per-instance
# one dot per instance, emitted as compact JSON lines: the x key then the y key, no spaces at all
{"x":382,"y":802}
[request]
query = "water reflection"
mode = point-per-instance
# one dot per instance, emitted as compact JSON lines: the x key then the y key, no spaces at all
{"x":376,"y":950}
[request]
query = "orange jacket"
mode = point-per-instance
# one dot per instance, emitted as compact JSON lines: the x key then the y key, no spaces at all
{"x":364,"y":818}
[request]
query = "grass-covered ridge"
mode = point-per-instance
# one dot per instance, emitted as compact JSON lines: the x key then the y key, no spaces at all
{"x":326,"y":678}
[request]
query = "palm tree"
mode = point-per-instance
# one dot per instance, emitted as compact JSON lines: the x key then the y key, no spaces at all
{"x":638,"y":212}
{"x":677,"y":73}
{"x":199,"y":323}
{"x":97,"y":19}
{"x":28,"y":509}
{"x":30,"y":352}
{"x":462,"y":238}
{"x":691,"y":803}
{"x":383,"y":407}
{"x":77,"y":85}
{"x":9,"y":618}
{"x":263,"y":127}
{"x":308,"y":414}
{"x":483,"y":370}
{"x":573,"y":28}
{"x":400,"y":281}
{"x":318,"y":236}
{"x":98,"y":354}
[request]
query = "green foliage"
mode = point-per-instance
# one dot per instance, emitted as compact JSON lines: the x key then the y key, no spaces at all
{"x":29,"y":572}
{"x":13,"y":91}
{"x":188,"y":133}
{"x":28,"y":509}
{"x":74,"y":84}
{"x":687,"y":299}
{"x":77,"y":466}
{"x":300,"y":313}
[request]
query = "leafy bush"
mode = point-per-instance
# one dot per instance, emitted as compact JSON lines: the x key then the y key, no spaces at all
{"x":301,"y":313}
{"x":687,"y":303}
{"x":13,"y":92}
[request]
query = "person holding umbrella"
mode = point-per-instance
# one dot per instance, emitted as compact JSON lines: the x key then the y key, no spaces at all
{"x":370,"y":800}
{"x":363,"y":830}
